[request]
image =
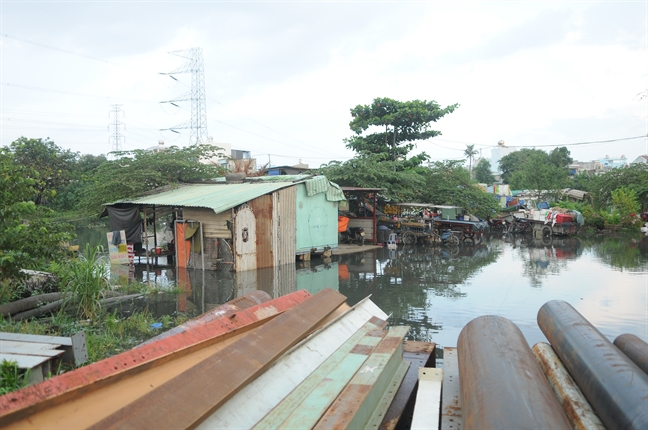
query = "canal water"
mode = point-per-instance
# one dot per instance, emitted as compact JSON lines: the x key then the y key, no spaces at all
{"x":437,"y":290}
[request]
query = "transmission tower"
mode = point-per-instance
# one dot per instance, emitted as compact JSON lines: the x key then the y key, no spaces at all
{"x":198,"y":122}
{"x":116,"y":139}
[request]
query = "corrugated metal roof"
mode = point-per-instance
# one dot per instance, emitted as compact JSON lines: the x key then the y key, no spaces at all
{"x":219,"y":197}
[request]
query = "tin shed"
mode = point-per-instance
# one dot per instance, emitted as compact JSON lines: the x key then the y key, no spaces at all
{"x":244,"y":225}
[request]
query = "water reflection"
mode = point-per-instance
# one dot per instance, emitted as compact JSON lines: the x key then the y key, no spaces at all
{"x":437,"y":290}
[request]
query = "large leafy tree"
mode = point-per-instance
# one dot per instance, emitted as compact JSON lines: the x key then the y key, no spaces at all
{"x":449,"y":183}
{"x":483,"y":172}
{"x":633,"y":177}
{"x":394,"y":127}
{"x":371,"y":171}
{"x":539,"y":174}
{"x":46,"y":164}
{"x":28,"y":239}
{"x":133,"y":173}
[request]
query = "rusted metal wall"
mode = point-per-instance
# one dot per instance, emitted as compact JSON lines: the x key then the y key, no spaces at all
{"x":502,"y":384}
{"x":263,"y":212}
{"x":284,"y":225}
{"x":615,"y":386}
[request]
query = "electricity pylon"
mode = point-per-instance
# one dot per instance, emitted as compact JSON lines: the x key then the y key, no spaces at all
{"x":198,"y":122}
{"x":116,"y":125}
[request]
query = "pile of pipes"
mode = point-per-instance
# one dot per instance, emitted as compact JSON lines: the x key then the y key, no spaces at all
{"x":580,"y":380}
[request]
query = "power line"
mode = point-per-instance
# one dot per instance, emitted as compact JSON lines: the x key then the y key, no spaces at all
{"x":28,"y":87}
{"x":581,"y":143}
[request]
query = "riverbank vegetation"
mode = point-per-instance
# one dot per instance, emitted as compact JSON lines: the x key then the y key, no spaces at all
{"x":42,"y":186}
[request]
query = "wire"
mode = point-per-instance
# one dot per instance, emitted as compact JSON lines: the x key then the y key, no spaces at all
{"x":28,"y":87}
{"x":581,"y":143}
{"x":89,"y":57}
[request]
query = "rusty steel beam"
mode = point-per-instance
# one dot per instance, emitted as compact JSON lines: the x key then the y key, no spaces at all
{"x":187,"y":399}
{"x":79,"y":383}
{"x":578,"y":410}
{"x":635,"y":348}
{"x":616,"y":388}
{"x":502,"y":384}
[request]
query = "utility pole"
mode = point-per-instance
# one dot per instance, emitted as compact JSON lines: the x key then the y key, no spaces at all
{"x":198,"y":122}
{"x":116,"y":138}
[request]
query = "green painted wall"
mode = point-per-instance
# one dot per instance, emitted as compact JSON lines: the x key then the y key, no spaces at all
{"x":316,"y":221}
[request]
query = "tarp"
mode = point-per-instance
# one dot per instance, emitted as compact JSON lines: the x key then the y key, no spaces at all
{"x":127,"y":219}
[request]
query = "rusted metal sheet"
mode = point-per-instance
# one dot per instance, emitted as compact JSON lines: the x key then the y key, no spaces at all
{"x":30,"y":401}
{"x":418,"y":354}
{"x":244,"y":302}
{"x":284,"y":219}
{"x":258,"y":398}
{"x":210,"y":383}
{"x":355,"y":407}
{"x":576,"y":407}
{"x":616,"y":387}
{"x":635,"y":348}
{"x":303,"y":407}
{"x":502,"y":384}
{"x":263,"y":212}
{"x":451,"y":402}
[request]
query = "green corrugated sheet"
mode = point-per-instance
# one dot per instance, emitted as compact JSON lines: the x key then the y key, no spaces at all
{"x":219,"y":197}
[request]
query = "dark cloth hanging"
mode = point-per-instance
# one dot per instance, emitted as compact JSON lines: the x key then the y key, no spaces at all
{"x":127,"y":219}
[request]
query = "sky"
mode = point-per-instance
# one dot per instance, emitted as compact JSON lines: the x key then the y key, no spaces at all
{"x":281,"y":77}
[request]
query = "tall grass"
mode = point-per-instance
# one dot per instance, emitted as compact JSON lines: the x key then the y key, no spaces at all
{"x":86,"y":279}
{"x":11,"y":378}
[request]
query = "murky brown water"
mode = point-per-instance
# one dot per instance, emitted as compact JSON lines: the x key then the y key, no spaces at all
{"x":438,"y":290}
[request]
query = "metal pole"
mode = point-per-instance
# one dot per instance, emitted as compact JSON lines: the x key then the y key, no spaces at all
{"x":616,"y":388}
{"x":502,"y":384}
{"x":635,"y":348}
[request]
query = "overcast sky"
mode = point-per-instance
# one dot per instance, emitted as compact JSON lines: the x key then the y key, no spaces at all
{"x":281,"y":77}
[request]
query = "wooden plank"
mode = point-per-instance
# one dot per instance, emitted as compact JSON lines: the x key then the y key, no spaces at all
{"x":4,"y":344}
{"x":32,"y":351}
{"x":80,"y":383}
{"x":451,"y":400}
{"x":258,"y":398}
{"x":428,"y":399}
{"x":400,"y":412}
{"x":24,"y":361}
{"x":355,"y":406}
{"x":229,"y":370}
{"x":21,"y":337}
{"x":306,"y":404}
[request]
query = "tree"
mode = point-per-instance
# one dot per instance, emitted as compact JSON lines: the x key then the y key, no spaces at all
{"x":135,"y":172}
{"x":524,"y":161}
{"x":48,"y":165}
{"x":634,"y":177}
{"x":449,"y":183}
{"x":538,"y":173}
{"x":470,"y":152}
{"x":401,"y":124}
{"x":371,"y":171}
{"x":28,"y":240}
{"x":483,"y":172}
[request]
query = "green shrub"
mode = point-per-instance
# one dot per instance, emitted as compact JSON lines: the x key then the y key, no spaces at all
{"x":11,"y":377}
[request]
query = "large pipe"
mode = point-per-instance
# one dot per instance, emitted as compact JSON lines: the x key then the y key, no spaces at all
{"x":635,"y":348}
{"x":615,"y":387}
{"x":577,"y":408}
{"x":502,"y":385}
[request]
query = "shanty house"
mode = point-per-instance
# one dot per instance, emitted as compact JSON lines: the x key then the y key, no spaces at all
{"x":237,"y":225}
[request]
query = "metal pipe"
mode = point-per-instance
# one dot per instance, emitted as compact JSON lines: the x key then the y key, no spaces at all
{"x":615,"y":387}
{"x":635,"y":348}
{"x":578,"y":410}
{"x":502,"y":384}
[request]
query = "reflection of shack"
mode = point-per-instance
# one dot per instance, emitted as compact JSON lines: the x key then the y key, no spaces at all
{"x":360,"y":206}
{"x":243,"y":224}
